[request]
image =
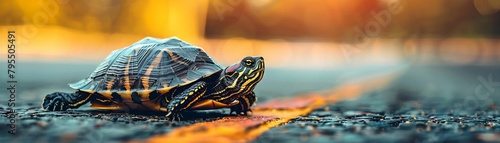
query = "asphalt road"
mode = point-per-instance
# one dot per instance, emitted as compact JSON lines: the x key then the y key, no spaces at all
{"x":425,"y":104}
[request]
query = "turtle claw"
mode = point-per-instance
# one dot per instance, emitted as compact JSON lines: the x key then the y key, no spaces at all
{"x":54,"y":102}
{"x":240,"y":111}
{"x":175,"y":116}
{"x":245,"y":113}
{"x":249,"y":112}
{"x":245,"y":102}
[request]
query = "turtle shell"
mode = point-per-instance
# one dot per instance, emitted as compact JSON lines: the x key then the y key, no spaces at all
{"x":149,"y":64}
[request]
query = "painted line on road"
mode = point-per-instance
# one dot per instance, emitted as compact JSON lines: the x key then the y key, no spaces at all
{"x":271,"y":114}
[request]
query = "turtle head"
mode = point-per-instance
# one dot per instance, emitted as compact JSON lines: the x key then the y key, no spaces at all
{"x":242,"y":76}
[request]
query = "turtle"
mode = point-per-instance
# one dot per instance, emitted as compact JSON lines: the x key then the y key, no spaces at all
{"x":166,"y":75}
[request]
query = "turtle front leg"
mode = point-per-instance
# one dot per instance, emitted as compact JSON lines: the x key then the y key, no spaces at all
{"x":186,"y":98}
{"x":59,"y":101}
{"x":246,"y":101}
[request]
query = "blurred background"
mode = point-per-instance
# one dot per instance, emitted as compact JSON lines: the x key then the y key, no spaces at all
{"x":445,"y":54}
{"x":69,"y":38}
{"x":292,"y":34}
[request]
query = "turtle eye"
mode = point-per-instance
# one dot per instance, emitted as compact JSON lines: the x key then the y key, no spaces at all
{"x":248,"y":62}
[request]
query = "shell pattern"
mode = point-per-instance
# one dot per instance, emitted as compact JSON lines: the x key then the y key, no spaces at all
{"x":150,"y":64}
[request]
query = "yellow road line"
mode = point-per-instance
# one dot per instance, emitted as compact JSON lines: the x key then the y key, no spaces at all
{"x":267,"y":115}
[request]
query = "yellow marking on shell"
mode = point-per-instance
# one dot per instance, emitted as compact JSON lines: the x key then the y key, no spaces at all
{"x":109,"y":85}
{"x":106,"y":94}
{"x":212,"y":104}
{"x":88,"y":91}
{"x":154,"y":64}
{"x":175,"y":58}
{"x":191,"y":93}
{"x":144,"y":94}
{"x":126,"y":96}
{"x":80,"y":102}
{"x":151,"y":105}
{"x":170,"y":53}
{"x":126,"y":72}
{"x":102,"y":100}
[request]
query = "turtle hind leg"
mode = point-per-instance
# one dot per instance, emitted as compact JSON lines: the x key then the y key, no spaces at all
{"x":60,"y":101}
{"x":185,"y":99}
{"x":246,"y":101}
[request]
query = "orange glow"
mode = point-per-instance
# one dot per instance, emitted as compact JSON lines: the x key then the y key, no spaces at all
{"x":235,"y":49}
{"x":459,"y":51}
{"x":56,"y":30}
